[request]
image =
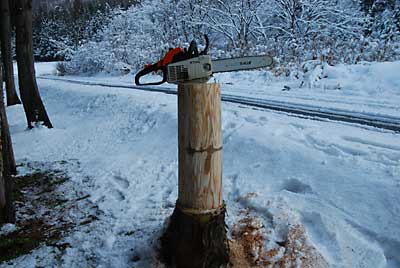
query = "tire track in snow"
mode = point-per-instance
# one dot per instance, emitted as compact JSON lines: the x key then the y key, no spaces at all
{"x":301,"y":110}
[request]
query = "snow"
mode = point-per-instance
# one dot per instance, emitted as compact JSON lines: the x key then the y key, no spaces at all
{"x":7,"y":228}
{"x":42,"y":68}
{"x":371,"y":89}
{"x":338,"y":180}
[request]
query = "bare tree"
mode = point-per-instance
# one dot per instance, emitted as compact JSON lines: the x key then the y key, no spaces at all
{"x":31,"y":100}
{"x":5,"y":36}
{"x":235,"y":20}
{"x":306,"y":25}
{"x":7,"y":213}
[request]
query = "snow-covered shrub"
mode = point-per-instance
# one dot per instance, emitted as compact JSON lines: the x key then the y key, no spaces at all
{"x":123,"y":44}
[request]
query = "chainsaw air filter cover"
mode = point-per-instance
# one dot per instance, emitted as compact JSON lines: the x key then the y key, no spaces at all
{"x":197,"y":69}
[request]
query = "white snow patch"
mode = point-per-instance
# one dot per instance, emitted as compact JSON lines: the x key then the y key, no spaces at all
{"x":7,"y":228}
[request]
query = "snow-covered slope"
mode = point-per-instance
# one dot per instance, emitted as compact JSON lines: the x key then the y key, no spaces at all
{"x":340,"y":181}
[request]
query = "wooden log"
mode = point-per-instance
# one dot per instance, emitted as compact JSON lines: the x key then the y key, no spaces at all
{"x":200,"y":147}
{"x":196,"y":234}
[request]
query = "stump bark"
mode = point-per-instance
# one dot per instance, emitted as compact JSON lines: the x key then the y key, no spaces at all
{"x":196,"y":234}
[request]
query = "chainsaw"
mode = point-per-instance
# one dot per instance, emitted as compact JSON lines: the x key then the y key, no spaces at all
{"x":189,"y":65}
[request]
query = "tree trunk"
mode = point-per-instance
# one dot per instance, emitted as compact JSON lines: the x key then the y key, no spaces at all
{"x":6,"y":205}
{"x":5,"y":37}
{"x":6,"y":139}
{"x":31,"y":100}
{"x":196,"y":235}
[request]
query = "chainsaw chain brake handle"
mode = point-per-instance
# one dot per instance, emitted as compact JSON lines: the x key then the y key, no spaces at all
{"x":172,"y":56}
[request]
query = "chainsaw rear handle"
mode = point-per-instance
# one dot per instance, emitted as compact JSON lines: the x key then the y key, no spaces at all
{"x":152,"y":68}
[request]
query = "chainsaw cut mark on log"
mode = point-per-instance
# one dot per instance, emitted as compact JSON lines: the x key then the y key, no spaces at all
{"x":201,"y":180}
{"x":209,"y":150}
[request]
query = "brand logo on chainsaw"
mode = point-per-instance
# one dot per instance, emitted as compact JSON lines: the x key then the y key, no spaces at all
{"x":245,"y":62}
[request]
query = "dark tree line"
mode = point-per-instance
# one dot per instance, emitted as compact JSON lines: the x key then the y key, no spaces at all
{"x":16,"y":15}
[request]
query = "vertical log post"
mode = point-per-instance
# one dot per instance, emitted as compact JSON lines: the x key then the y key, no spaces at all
{"x":196,"y":235}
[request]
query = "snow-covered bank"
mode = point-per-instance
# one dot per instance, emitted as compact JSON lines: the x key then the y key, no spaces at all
{"x":340,"y":181}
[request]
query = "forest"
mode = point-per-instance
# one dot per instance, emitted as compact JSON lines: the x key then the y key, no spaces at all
{"x":99,"y":36}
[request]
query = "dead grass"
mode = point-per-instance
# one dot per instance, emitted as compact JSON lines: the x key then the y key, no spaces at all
{"x":38,"y":204}
{"x":30,"y":235}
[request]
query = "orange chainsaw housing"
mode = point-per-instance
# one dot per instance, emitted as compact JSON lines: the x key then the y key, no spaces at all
{"x":168,"y":58}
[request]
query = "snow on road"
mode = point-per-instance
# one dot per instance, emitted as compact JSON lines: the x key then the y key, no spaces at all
{"x":340,"y":181}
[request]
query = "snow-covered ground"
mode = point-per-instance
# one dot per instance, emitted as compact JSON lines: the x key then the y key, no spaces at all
{"x":340,"y":181}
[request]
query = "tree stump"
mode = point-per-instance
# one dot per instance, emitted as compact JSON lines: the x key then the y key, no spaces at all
{"x":196,"y":235}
